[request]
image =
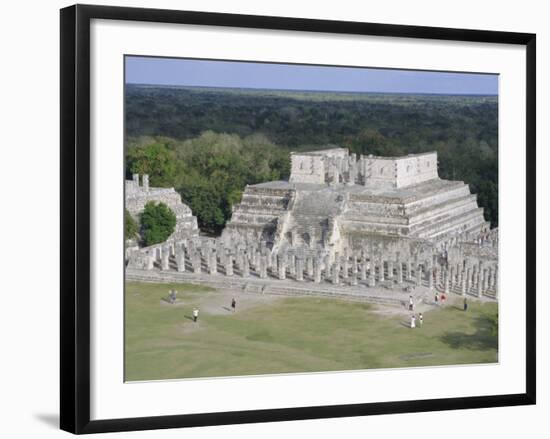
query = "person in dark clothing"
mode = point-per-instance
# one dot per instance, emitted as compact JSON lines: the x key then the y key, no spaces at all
{"x":465,"y":304}
{"x":233,"y":304}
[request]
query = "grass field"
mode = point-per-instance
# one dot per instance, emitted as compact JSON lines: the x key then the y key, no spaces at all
{"x":269,"y":334}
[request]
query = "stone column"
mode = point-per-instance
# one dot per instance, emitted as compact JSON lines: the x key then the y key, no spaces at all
{"x":336,"y":175}
{"x":259,"y":256}
{"x":430,"y":276}
{"x":292,"y":265}
{"x":409,"y":270}
{"x":479,"y":283}
{"x":418,"y":275}
{"x":468,"y":281}
{"x":372,"y":274}
{"x":381,"y":271}
{"x":390,"y":269}
{"x":446,"y":281}
{"x":399,"y":273}
{"x":246,"y":266}
{"x":269,"y":258}
{"x":327,"y":267}
{"x":474,"y":277}
{"x":353,"y":280}
{"x":196,"y":261}
{"x":274,"y":265}
{"x":485,"y":286}
{"x":282,"y":267}
{"x":145,"y":182}
{"x":263,"y":267}
{"x":213,"y":263}
{"x":180,"y":260}
{"x":151,"y":258}
{"x":165,"y":260}
{"x":310,"y":268}
{"x":489,"y":278}
{"x":451,"y":277}
{"x":317,"y":271}
{"x":335,"y":273}
{"x":345,"y":267}
{"x":299,"y":269}
{"x":229,"y":265}
{"x":363,"y":269}
{"x":463,"y":282}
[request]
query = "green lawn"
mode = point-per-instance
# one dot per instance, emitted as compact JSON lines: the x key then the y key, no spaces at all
{"x":282,"y":335}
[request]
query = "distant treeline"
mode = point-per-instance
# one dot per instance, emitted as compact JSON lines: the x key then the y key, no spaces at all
{"x":218,"y":140}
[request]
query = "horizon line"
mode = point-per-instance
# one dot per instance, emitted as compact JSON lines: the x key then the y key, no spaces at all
{"x":310,"y":90}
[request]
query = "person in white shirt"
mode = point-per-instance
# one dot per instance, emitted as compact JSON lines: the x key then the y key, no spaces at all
{"x":413,"y":322}
{"x":195,"y":314}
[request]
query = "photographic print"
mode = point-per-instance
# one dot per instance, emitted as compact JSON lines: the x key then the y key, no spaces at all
{"x":289,"y":218}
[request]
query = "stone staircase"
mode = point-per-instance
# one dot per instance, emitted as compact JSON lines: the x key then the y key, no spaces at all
{"x":310,"y":212}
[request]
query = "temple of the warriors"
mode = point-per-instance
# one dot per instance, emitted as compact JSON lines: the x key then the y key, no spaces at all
{"x":334,"y":201}
{"x":375,"y":228}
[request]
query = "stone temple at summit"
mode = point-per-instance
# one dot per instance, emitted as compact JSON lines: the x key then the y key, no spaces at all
{"x":335,"y":202}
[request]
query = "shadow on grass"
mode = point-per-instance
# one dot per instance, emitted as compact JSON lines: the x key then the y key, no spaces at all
{"x":188,"y":318}
{"x":481,"y":340}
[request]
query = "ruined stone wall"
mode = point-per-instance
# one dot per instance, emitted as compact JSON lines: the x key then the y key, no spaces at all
{"x":398,"y":172}
{"x":136,"y":197}
{"x":307,"y":169}
{"x":416,"y":169}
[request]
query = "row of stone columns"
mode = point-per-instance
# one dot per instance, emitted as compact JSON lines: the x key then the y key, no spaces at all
{"x":476,"y":279}
{"x":350,"y":269}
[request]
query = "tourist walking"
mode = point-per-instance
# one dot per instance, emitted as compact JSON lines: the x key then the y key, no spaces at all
{"x":411,"y":303}
{"x":443,"y":298}
{"x":195,"y":314}
{"x":436,"y":298}
{"x":420,"y":319}
{"x":465,"y":304}
{"x":173,"y":295}
{"x":413,"y":322}
{"x":233,"y":304}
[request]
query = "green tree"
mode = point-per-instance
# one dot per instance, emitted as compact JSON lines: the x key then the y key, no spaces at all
{"x":130,"y":226}
{"x":371,"y":141}
{"x":156,"y":160}
{"x":157,"y":223}
{"x":206,"y":201}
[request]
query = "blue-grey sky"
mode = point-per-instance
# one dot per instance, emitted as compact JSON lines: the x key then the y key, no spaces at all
{"x":205,"y":73}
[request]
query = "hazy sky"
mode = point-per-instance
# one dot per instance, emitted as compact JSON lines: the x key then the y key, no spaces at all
{"x":176,"y":71}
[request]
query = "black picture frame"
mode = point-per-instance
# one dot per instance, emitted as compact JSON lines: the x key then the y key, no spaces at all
{"x":75,"y":217}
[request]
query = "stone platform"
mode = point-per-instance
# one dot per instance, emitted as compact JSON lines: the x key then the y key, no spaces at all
{"x":254,"y":284}
{"x":334,"y":200}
